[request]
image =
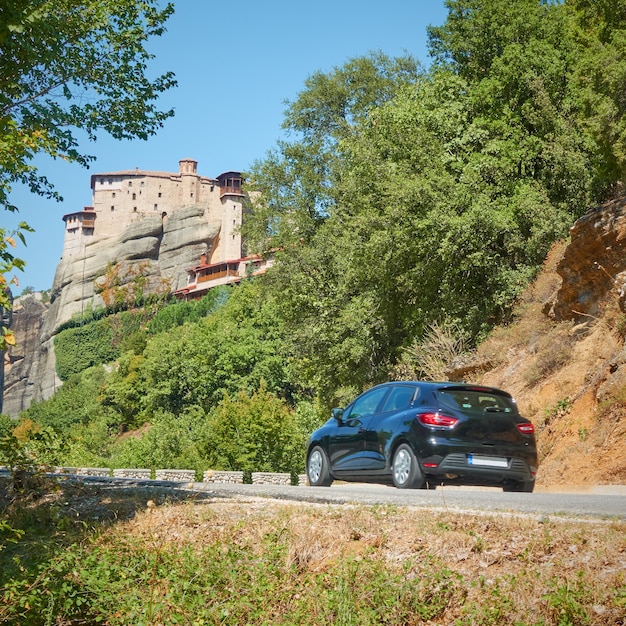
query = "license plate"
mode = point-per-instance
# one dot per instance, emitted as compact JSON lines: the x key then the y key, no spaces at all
{"x":487,"y":461}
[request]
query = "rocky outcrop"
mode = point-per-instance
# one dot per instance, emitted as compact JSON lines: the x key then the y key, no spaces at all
{"x":24,"y":362}
{"x":165,"y":248}
{"x":593,"y":263}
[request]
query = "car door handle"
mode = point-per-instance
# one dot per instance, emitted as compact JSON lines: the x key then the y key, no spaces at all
{"x":362,"y":430}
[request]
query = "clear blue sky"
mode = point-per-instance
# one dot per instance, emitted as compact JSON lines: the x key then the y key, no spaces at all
{"x":236,"y":65}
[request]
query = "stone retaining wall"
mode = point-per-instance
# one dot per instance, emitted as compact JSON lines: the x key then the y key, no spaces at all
{"x":270,"y":478}
{"x":182,"y":475}
{"x":141,"y":474}
{"x":178,"y":475}
{"x":221,"y":476}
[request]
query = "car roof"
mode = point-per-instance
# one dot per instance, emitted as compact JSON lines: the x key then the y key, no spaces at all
{"x":434,"y":385}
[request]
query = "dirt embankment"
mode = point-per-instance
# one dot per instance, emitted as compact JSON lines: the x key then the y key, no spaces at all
{"x":564,"y":357}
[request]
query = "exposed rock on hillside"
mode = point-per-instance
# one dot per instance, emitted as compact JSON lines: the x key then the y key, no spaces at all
{"x":593,"y":264}
{"x":568,"y":370}
{"x":23,"y":363}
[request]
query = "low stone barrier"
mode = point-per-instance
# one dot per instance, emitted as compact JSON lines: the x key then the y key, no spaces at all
{"x":221,"y":476}
{"x":142,"y":474}
{"x":270,"y":478}
{"x":303,"y":480}
{"x":182,"y":475}
{"x":93,"y":471}
{"x":188,"y":476}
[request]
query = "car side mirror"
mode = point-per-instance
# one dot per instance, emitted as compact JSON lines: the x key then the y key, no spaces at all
{"x":338,"y":415}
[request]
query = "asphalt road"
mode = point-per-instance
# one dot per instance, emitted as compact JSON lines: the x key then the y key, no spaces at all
{"x":548,"y":505}
{"x":607,"y":503}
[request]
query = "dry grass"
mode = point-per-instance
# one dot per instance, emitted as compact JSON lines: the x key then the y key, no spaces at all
{"x":312,"y":564}
{"x":518,"y":569}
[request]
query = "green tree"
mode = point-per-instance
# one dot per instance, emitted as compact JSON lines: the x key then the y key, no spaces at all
{"x":75,"y":403}
{"x":256,"y":433}
{"x":295,"y":184}
{"x":68,"y":66}
{"x":170,"y":441}
{"x":234,"y":348}
{"x":442,"y":197}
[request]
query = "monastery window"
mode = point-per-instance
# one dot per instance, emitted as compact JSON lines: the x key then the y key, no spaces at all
{"x":191,"y":195}
{"x":159,"y":194}
{"x":134,"y":196}
{"x":102,"y":181}
{"x":135,"y":209}
{"x":112,"y":208}
{"x":156,"y":206}
{"x":142,"y":183}
{"x":113,"y":195}
{"x":130,"y":183}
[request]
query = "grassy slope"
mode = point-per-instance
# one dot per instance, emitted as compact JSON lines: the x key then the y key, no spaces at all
{"x":142,"y":557}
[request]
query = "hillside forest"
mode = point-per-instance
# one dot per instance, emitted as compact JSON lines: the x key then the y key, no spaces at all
{"x":407,"y":203}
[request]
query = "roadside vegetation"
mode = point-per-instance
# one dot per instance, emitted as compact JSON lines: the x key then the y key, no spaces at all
{"x":89,"y":555}
{"x":407,"y":210}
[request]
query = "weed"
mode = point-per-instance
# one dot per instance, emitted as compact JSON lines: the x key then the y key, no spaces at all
{"x":620,"y":326}
{"x":568,"y":601}
{"x":257,"y":564}
{"x":561,"y":408}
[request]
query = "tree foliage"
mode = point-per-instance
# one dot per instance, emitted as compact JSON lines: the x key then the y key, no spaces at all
{"x":69,"y":65}
{"x":229,"y":351}
{"x":69,"y":69}
{"x":256,"y":433}
{"x":436,"y":200}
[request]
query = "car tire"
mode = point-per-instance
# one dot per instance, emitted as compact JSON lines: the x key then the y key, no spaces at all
{"x":317,"y":468}
{"x":523,"y":486}
{"x":405,"y":470}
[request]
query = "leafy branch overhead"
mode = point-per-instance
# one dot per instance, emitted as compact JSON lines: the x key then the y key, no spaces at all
{"x":70,"y":68}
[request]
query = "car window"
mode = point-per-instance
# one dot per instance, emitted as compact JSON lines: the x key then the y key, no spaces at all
{"x":476,"y":401}
{"x":367,"y":403}
{"x":399,"y":398}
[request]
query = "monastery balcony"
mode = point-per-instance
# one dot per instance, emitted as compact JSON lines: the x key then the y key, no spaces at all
{"x":231,"y":190}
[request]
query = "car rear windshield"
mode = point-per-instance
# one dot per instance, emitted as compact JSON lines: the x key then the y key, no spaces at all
{"x":476,"y":401}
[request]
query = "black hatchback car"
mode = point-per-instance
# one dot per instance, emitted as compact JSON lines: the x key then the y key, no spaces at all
{"x":423,"y":434}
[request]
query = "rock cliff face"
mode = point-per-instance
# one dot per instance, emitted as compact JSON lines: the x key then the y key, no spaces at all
{"x":593,"y":263}
{"x":148,"y":224}
{"x":24,"y":362}
{"x":165,"y":248}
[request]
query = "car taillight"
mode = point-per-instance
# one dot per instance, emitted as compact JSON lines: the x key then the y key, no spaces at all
{"x":526,"y":428}
{"x":437,"y":419}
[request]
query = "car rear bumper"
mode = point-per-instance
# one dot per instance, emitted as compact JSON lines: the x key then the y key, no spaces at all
{"x":459,"y":466}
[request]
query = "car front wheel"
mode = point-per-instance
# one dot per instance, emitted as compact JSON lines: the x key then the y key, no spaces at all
{"x":317,"y":468}
{"x":405,"y":470}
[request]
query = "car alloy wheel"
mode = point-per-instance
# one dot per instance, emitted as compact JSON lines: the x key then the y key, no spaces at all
{"x":317,"y":468}
{"x":406,"y":472}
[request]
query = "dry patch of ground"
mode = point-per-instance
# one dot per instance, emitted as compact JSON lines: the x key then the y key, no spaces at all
{"x":481,"y":569}
{"x":567,"y":378}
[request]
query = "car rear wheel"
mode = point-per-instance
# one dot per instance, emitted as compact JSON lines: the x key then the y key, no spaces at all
{"x":317,"y":468}
{"x":405,"y":470}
